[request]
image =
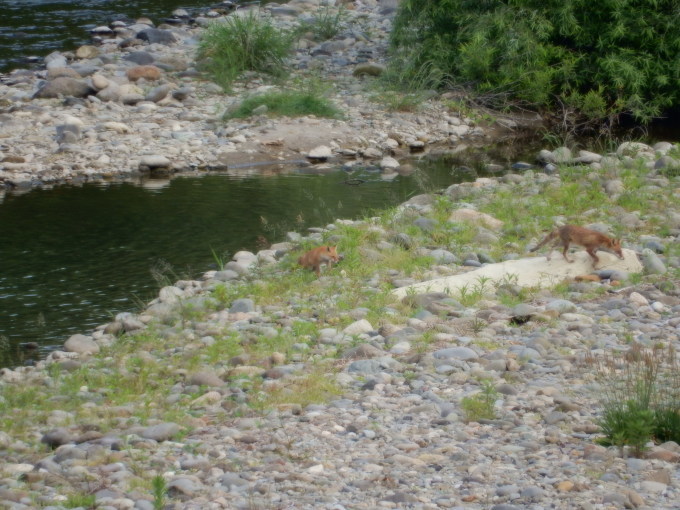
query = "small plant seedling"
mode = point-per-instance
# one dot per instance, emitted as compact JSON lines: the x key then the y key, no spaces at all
{"x":481,"y":405}
{"x":159,"y":490}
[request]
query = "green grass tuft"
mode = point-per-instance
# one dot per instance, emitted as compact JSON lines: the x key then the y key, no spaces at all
{"x":244,"y":43}
{"x":291,"y":103}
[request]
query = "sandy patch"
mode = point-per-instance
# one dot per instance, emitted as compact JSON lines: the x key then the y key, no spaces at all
{"x":527,"y":272}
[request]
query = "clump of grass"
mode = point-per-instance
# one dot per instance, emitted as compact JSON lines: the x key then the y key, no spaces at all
{"x":481,"y":405}
{"x":159,"y":490}
{"x":396,"y":101}
{"x":244,"y":43}
{"x":219,"y":258}
{"x":309,"y":388}
{"x":325,"y":23}
{"x":472,"y":293}
{"x":640,"y":397}
{"x":291,"y":103}
{"x":80,"y":501}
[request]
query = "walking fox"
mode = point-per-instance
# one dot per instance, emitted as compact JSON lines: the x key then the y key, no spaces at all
{"x":314,"y":258}
{"x":591,"y":240}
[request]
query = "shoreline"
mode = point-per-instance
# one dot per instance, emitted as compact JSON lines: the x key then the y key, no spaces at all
{"x":136,"y":105}
{"x":263,"y":386}
{"x":254,"y":385}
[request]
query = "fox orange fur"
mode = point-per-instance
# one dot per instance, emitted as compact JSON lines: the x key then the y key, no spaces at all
{"x":313,"y":259}
{"x":591,"y":240}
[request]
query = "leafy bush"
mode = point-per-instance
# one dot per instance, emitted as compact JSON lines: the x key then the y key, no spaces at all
{"x":243,"y":43}
{"x":599,"y":58}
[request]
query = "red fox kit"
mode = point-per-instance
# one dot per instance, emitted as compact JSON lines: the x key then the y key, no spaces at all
{"x":591,"y":240}
{"x":314,"y":258}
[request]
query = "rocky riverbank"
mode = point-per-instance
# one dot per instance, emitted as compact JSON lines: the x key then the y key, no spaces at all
{"x":135,"y":103}
{"x":263,"y":386}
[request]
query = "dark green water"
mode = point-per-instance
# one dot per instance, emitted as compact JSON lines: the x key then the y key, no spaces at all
{"x":72,"y":257}
{"x":38,"y":27}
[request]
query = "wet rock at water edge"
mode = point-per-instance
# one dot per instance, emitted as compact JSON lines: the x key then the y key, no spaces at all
{"x":81,"y":344}
{"x":158,"y":36}
{"x":155,"y":163}
{"x":320,"y":153}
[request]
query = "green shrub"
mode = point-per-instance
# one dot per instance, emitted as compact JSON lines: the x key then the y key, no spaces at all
{"x":243,"y":43}
{"x":600,"y":58}
{"x":627,"y":424}
{"x":640,"y":393}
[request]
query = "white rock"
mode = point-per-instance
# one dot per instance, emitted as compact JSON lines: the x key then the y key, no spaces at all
{"x":389,"y":163}
{"x":358,"y":327}
{"x":73,"y":121}
{"x":316,"y":469}
{"x":99,"y":82}
{"x":472,"y":216}
{"x":638,"y":299}
{"x":118,"y":127}
{"x":154,"y":161}
{"x":321,"y":152}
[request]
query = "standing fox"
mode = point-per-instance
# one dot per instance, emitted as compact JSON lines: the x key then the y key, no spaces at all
{"x":313,"y":259}
{"x":591,"y":240}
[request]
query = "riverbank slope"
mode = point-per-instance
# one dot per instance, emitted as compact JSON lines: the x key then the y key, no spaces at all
{"x":263,"y":386}
{"x":135,"y":104}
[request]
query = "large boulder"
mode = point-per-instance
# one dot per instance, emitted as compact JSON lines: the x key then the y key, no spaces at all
{"x":81,"y":344}
{"x":155,"y":35}
{"x":64,"y":86}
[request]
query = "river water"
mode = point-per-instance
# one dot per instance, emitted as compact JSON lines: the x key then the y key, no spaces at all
{"x":37,"y":27}
{"x":72,"y":257}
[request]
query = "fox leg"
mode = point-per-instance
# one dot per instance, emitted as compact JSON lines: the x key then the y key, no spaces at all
{"x":551,"y":248}
{"x":596,"y":260}
{"x":564,"y":252}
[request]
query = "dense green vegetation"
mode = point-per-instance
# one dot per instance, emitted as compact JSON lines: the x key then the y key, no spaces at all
{"x":599,"y":59}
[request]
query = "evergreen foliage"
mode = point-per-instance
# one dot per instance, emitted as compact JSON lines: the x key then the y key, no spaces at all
{"x":601,"y":58}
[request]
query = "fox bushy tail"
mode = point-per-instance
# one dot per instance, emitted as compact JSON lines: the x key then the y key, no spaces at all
{"x":552,"y":235}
